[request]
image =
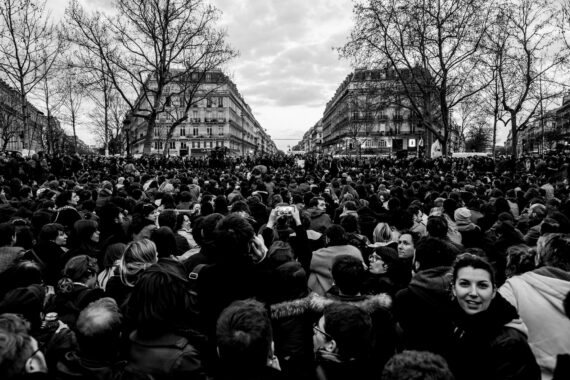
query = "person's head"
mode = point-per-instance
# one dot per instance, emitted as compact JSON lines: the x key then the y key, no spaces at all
{"x":407,"y":244}
{"x":167,"y":218}
{"x":66,"y":198}
{"x":416,"y":365}
{"x":234,"y":234}
{"x":7,"y":234}
{"x":344,"y":329}
{"x":99,"y":329}
{"x":473,"y":283}
{"x":165,"y":241}
{"x":433,"y":252}
{"x":382,"y":259}
{"x":335,"y":235}
{"x":555,"y":252}
{"x":183,"y":222}
{"x":437,"y":226}
{"x":138,"y":256}
{"x":26,"y":301}
{"x":19,"y":355}
{"x":382,"y":233}
{"x":318,"y":203}
{"x":86,"y":231}
{"x":160,"y":300}
{"x":53,"y":232}
{"x":82,"y":269}
{"x":244,"y":337}
{"x":350,"y":223}
{"x":520,"y":259}
{"x":348,"y":274}
{"x":113,"y":253}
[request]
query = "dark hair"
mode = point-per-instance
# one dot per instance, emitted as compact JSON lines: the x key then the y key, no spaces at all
{"x":437,"y":226}
{"x":415,"y":236}
{"x":233,"y":236}
{"x":416,"y":365}
{"x":433,"y":252}
{"x":99,"y":328}
{"x":520,"y":259}
{"x":160,"y":300}
{"x":351,"y":328}
{"x":244,"y":336}
{"x":348,"y":274}
{"x":465,"y":260}
{"x":314,"y":202}
{"x":336,"y":235}
{"x":15,"y":348}
{"x":165,"y":241}
{"x":63,"y":198}
{"x":349,"y":222}
{"x":50,"y":231}
{"x":167,"y":218}
{"x":7,"y":232}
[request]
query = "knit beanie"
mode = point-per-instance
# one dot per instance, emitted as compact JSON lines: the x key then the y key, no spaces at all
{"x":462,"y":216}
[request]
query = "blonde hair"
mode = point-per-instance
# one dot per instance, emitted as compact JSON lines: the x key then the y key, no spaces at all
{"x":382,"y":233}
{"x":138,"y":256}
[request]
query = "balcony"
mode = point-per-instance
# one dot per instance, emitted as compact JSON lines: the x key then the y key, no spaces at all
{"x":398,"y":118}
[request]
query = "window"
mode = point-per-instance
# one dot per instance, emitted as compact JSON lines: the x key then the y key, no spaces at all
{"x":183,"y":145}
{"x":172,"y":145}
{"x":209,"y":131}
{"x":195,"y":131}
{"x":182,"y":131}
{"x":220,"y":101}
{"x":221,"y":117}
{"x":209,"y":102}
{"x":220,"y":131}
{"x":208,"y":116}
{"x":382,"y":143}
{"x":158,"y":145}
{"x":193,"y":144}
{"x":156,"y":132}
{"x":211,"y":144}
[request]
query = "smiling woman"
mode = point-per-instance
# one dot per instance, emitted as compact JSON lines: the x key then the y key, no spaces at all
{"x":489,"y":339}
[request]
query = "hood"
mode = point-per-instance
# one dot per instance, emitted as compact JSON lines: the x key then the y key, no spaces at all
{"x":551,"y":283}
{"x":435,"y":279}
{"x":315,"y":303}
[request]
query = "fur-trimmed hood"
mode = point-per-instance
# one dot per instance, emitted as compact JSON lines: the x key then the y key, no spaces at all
{"x":315,"y":303}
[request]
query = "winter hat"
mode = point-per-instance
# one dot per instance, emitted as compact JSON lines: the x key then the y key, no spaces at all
{"x":279,"y":253}
{"x":388,"y":254}
{"x":290,"y":282}
{"x":462,"y":216}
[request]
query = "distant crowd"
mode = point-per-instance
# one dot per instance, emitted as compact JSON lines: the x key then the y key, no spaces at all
{"x":284,"y":267}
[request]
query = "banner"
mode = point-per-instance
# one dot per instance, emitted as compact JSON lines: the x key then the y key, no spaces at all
{"x":436,"y":149}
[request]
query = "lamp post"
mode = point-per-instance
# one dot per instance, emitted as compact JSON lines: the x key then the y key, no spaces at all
{"x":242,"y":136}
{"x":126,"y":130}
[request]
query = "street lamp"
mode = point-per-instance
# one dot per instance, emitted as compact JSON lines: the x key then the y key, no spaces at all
{"x":242,"y":136}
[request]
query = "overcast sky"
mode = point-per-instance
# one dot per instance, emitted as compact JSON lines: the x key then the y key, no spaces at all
{"x":287,"y":69}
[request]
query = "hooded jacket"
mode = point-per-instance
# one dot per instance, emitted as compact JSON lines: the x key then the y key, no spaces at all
{"x":320,"y":278}
{"x":422,"y":310}
{"x":320,"y":220}
{"x":538,"y":297}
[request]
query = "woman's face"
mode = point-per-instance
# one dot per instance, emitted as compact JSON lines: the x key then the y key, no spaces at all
{"x":74,"y":199}
{"x":406,"y":247}
{"x":473,"y":289}
{"x":95,"y":236}
{"x":377,"y":265}
{"x":61,"y":238}
{"x":186,"y":221}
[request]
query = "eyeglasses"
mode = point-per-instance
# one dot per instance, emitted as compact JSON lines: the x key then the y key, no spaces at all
{"x":374,"y":258}
{"x":316,"y":329}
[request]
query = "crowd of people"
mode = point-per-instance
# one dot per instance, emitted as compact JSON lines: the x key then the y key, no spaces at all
{"x":284,"y":267}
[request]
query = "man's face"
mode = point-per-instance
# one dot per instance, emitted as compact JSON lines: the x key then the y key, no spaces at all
{"x":322,"y":205}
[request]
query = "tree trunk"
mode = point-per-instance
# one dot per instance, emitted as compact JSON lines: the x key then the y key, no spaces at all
{"x":514,"y":134}
{"x":151,"y":122}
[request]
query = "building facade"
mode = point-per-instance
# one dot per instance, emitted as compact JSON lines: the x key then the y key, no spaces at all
{"x":219,"y":118}
{"x":13,"y":136}
{"x":367,"y":115}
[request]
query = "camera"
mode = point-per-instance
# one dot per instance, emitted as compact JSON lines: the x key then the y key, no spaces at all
{"x":284,"y":210}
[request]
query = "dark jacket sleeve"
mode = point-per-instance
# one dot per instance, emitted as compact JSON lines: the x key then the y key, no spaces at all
{"x":513,"y":358}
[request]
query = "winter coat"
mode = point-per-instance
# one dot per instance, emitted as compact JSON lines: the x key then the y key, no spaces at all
{"x":50,"y":256}
{"x":171,"y":356}
{"x":538,"y":297}
{"x":422,"y":311}
{"x":67,"y":216}
{"x":320,"y":279}
{"x":491,"y":345}
{"x":320,"y":220}
{"x":292,"y":328}
{"x":9,"y":255}
{"x":72,"y":299}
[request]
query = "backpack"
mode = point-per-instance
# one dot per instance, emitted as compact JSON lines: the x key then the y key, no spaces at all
{"x":193,"y":278}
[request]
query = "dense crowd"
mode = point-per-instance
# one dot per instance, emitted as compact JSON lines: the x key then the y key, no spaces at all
{"x":284,"y":267}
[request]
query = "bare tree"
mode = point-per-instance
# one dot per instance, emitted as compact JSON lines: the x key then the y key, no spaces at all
{"x":478,"y":137}
{"x":434,"y":48}
{"x":9,"y":121}
{"x":72,"y":90}
{"x":151,"y":50}
{"x":29,"y":47}
{"x":527,"y":60}
{"x":107,"y":121}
